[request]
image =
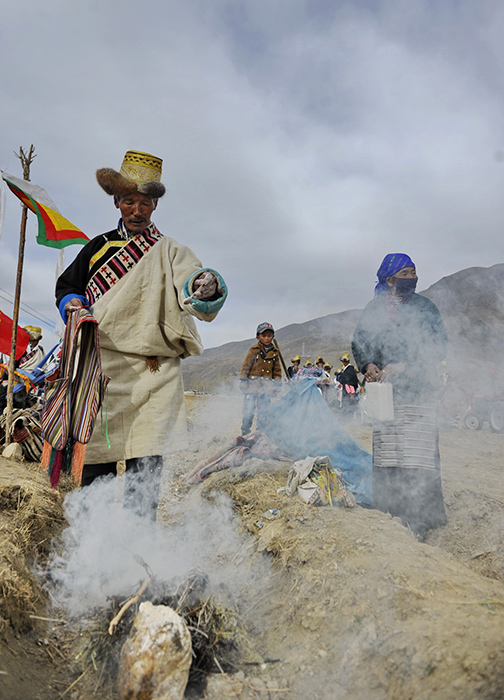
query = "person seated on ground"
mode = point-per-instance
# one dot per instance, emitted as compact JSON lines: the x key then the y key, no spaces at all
{"x":347,"y":377}
{"x":260,"y":377}
{"x":294,"y":368}
{"x":34,"y":353}
{"x":401,"y":338}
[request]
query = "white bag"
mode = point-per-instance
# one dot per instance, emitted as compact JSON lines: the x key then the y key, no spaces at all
{"x":380,"y":401}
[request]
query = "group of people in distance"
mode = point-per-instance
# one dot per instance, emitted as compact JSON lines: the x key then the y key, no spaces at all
{"x":400,"y":338}
{"x":144,"y":290}
{"x":345,"y":379}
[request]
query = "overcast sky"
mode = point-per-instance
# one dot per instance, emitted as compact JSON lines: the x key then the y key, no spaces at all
{"x":302,"y":140}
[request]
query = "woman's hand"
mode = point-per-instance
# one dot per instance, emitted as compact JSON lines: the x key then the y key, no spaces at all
{"x":373,"y":373}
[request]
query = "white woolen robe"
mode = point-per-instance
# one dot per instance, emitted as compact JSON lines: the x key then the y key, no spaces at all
{"x":141,"y":316}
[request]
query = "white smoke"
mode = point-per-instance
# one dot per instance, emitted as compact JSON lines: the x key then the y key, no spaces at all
{"x":107,"y":549}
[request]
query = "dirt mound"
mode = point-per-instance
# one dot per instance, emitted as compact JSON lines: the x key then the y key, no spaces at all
{"x":363,"y":594}
{"x":352,"y":607}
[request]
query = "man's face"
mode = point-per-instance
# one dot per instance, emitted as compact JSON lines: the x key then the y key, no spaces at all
{"x":136,"y":211}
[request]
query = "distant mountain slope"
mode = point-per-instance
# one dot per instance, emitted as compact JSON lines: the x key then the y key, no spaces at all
{"x":471,"y":302}
{"x":472,"y":305}
{"x":328,"y":336}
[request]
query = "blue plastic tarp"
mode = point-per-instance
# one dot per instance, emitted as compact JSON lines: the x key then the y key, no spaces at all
{"x":302,"y":424}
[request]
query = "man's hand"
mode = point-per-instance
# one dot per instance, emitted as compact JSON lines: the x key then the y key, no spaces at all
{"x":73,"y":305}
{"x":205,"y":286}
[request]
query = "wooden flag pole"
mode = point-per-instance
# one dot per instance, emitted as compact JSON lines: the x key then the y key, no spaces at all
{"x":26,"y":160}
{"x":288,"y":377}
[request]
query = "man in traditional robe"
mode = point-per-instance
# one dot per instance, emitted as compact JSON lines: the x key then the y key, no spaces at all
{"x":143,"y":289}
{"x":34,"y":352}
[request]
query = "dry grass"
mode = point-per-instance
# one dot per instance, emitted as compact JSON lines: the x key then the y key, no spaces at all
{"x":219,"y":637}
{"x":29,"y":518}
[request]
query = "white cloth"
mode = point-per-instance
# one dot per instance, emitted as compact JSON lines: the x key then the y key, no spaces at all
{"x":32,"y":362}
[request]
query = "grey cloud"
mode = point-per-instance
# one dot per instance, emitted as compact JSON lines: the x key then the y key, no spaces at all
{"x":301,"y":143}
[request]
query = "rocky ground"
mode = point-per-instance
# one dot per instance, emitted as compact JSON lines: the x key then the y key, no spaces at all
{"x":351,"y":605}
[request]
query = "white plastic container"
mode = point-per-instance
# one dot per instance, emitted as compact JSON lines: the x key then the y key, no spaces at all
{"x":380,"y":401}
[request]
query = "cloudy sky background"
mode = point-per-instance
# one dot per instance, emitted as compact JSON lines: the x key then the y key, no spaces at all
{"x":302,"y":140}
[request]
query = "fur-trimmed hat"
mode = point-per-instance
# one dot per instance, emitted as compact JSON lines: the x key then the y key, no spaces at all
{"x":35,"y":332}
{"x":140,"y":172}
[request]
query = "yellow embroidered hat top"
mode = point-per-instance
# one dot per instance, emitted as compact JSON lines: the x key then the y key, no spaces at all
{"x":140,"y":172}
{"x":34,"y":332}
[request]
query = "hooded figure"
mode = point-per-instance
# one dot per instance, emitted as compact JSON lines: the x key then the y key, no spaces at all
{"x":401,"y":338}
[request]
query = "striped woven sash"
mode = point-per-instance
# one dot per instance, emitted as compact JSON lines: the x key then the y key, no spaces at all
{"x":121,"y":263}
{"x":74,"y":393}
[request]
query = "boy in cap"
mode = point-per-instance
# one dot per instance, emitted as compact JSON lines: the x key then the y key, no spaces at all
{"x":260,"y":377}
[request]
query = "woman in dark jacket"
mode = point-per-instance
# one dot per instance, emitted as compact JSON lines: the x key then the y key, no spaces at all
{"x":401,"y":338}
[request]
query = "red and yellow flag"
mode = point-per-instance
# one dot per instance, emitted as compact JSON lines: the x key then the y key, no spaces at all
{"x":6,"y":334}
{"x":53,"y":229}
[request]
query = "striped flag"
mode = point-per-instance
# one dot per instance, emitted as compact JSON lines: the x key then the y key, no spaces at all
{"x":53,"y":229}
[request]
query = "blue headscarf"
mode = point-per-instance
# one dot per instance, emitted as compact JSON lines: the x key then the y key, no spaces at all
{"x":391,"y":263}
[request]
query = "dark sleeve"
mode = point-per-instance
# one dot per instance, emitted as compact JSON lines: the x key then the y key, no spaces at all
{"x":435,"y":347}
{"x":75,"y":278}
{"x":363,"y":344}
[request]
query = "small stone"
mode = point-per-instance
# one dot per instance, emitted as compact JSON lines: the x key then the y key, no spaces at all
{"x":13,"y":451}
